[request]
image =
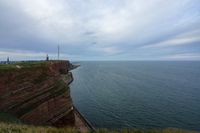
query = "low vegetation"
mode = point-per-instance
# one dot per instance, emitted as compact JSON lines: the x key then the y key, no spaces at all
{"x":20,"y":128}
{"x":22,"y":65}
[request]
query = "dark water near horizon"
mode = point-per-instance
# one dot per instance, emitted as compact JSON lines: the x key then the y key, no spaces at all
{"x":138,"y":94}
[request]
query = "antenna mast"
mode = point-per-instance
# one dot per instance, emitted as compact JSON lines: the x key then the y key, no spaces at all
{"x":58,"y":52}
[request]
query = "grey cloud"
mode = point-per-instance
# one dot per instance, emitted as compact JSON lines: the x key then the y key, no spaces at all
{"x":97,"y":28}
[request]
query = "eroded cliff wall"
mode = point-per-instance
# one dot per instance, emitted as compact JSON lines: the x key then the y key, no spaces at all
{"x":38,"y":93}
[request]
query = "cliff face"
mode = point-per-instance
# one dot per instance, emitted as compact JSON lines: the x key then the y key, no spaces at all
{"x":38,"y":93}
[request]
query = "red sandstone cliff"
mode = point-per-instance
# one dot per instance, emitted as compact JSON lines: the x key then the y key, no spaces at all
{"x":38,"y":94}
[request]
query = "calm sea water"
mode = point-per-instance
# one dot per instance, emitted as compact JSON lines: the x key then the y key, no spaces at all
{"x":138,"y":94}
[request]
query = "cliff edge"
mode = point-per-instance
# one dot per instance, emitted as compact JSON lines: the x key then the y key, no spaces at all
{"x":37,"y":93}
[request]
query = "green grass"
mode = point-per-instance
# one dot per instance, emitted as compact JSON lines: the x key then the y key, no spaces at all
{"x":32,"y":64}
{"x":21,"y":128}
{"x":168,"y":130}
{"x":22,"y":65}
{"x":7,"y":66}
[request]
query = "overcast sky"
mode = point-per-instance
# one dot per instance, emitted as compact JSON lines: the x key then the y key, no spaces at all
{"x":100,"y":29}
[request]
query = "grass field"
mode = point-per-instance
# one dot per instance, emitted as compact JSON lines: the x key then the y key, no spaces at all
{"x":20,"y":128}
{"x":22,"y":65}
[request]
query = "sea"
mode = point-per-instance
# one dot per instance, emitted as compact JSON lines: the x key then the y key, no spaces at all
{"x":138,"y":94}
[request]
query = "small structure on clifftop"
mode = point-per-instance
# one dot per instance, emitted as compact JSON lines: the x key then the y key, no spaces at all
{"x":8,"y":60}
{"x":47,"y":58}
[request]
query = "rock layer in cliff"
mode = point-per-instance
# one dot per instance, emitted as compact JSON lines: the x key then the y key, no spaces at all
{"x":37,"y":92}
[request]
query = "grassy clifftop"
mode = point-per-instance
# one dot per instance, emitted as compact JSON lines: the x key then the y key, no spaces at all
{"x":22,"y":65}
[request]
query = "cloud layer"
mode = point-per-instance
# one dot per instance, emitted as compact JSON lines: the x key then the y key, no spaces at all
{"x":100,"y":30}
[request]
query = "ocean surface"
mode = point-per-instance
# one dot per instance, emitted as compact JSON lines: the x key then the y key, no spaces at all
{"x":138,"y":94}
